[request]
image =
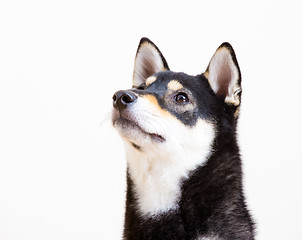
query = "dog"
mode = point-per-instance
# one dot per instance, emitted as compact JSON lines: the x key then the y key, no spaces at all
{"x":184,"y":174}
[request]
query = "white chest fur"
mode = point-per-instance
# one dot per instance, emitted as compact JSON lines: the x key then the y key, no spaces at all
{"x":158,"y":170}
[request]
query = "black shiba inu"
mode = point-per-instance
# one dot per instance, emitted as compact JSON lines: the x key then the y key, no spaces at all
{"x":184,"y":176}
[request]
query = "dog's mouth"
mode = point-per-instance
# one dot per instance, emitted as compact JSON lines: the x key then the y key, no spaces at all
{"x":125,"y":123}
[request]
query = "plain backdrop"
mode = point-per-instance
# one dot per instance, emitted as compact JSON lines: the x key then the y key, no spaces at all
{"x":62,"y":166}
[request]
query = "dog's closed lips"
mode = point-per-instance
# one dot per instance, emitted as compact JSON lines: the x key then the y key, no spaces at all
{"x":130,"y":124}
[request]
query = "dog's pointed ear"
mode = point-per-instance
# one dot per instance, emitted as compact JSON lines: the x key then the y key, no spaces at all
{"x":148,"y":61}
{"x":224,"y":75}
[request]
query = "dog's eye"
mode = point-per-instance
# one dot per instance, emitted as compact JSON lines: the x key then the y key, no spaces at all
{"x":142,"y":86}
{"x":181,"y":98}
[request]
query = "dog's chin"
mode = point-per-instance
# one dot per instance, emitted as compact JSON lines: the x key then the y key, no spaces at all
{"x":133,"y":132}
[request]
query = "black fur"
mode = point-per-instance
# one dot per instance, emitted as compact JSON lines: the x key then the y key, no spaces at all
{"x":212,"y":202}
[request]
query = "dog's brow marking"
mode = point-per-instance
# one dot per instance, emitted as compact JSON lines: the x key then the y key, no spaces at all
{"x":174,"y":85}
{"x":150,"y":80}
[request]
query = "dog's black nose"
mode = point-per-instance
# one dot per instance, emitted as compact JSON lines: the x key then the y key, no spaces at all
{"x":121,"y":99}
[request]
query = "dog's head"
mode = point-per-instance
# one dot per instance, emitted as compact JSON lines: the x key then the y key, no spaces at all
{"x":165,"y":107}
{"x":169,"y":121}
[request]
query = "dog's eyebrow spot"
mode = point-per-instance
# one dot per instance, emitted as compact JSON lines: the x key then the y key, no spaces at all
{"x":174,"y":85}
{"x":150,"y":80}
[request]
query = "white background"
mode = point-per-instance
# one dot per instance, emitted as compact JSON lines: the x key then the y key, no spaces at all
{"x":62,"y":166}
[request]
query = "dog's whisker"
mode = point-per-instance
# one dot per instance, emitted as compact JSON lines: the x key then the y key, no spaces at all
{"x":106,"y":119}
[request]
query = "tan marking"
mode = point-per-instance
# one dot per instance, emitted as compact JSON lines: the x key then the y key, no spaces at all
{"x":150,"y":80}
{"x":174,"y":85}
{"x":206,"y":74}
{"x":157,"y":109}
{"x":236,"y":114}
{"x":234,"y":100}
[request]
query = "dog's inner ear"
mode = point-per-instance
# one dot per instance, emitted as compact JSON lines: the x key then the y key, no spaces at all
{"x":148,"y":61}
{"x":224,"y":76}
